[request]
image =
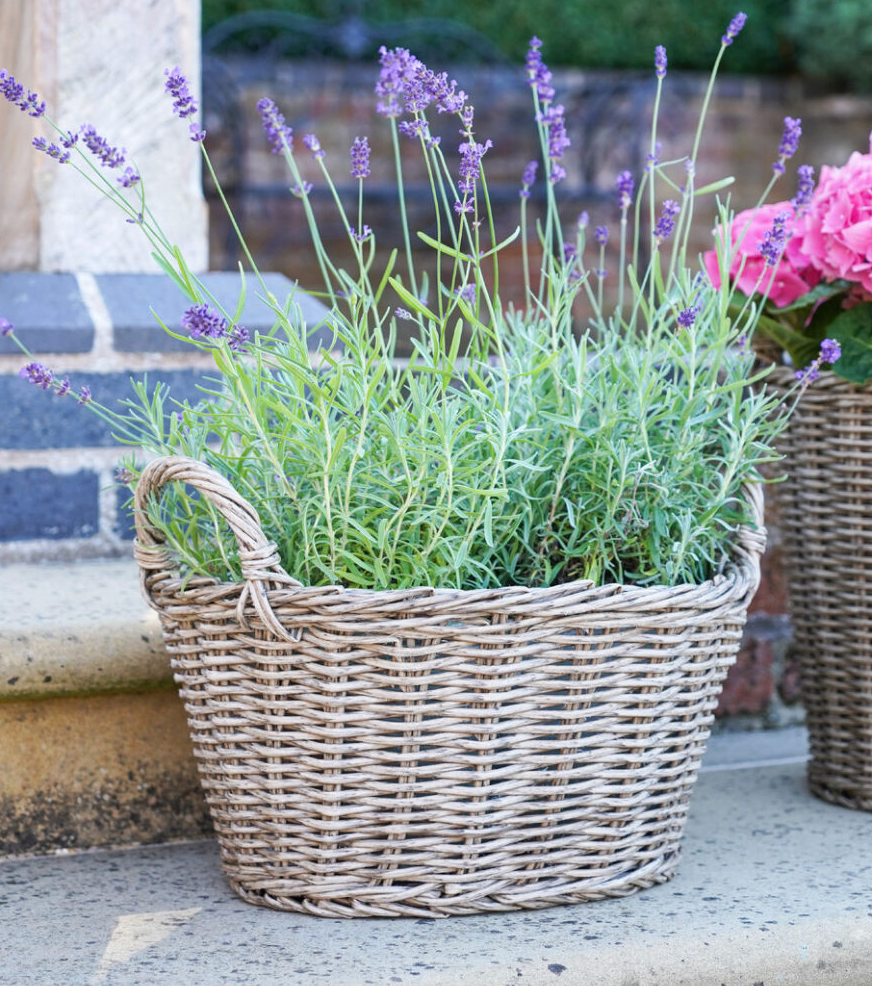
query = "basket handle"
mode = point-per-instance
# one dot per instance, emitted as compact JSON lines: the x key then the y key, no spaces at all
{"x":259,"y":559}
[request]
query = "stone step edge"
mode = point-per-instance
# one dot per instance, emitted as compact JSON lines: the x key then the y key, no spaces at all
{"x":77,"y":629}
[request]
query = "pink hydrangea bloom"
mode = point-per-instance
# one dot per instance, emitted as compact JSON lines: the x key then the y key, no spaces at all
{"x":838,"y":225}
{"x":794,"y":275}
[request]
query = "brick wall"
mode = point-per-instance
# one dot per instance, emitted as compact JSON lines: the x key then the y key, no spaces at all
{"x":57,"y":459}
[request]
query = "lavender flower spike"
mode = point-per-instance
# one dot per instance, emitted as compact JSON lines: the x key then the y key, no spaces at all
{"x":470,"y":163}
{"x":733,"y":28}
{"x":665,"y":225}
{"x":805,"y":189}
{"x":601,"y":235}
{"x":360,"y":158}
{"x":660,"y":61}
{"x":278,"y":133}
{"x":53,"y":151}
{"x":6,"y":327}
{"x":528,"y":178}
{"x":625,"y":186}
{"x":314,"y":145}
{"x":398,"y":70}
{"x":109,"y":157}
{"x":774,"y":240}
{"x":37,"y":373}
{"x":538,"y":73}
{"x":13,"y":91}
{"x":789,"y":143}
{"x":687,"y":317}
{"x":830,"y":351}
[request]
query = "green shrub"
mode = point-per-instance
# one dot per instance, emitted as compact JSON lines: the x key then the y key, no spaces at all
{"x":834,"y":42}
{"x":592,"y":34}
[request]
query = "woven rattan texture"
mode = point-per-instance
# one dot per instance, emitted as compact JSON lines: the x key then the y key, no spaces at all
{"x":434,"y":752}
{"x":826,"y":515}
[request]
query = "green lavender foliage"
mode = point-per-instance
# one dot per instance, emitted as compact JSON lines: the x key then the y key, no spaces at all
{"x":515,"y":446}
{"x":608,"y":457}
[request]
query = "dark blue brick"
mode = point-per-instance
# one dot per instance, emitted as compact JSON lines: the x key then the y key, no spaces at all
{"x":47,"y":312}
{"x":124,"y":526}
{"x":131,"y":298}
{"x":34,"y":418}
{"x":38,"y":503}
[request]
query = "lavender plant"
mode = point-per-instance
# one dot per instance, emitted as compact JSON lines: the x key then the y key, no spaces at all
{"x":516,"y":446}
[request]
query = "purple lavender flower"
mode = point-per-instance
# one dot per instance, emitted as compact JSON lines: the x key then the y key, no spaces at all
{"x":363,"y":235}
{"x":805,"y":189}
{"x":360,"y":158}
{"x":203,"y":322}
{"x":184,"y":104}
{"x":527,"y":179}
{"x":237,"y":338}
{"x":733,"y":28}
{"x":444,"y":93}
{"x":601,"y":235}
{"x":470,"y":164}
{"x":6,"y":327}
{"x":129,"y":178}
{"x":301,"y":190}
{"x":467,"y":293}
{"x":314,"y":145}
{"x":653,"y":158}
{"x":624,"y":185}
{"x":583,"y":219}
{"x":830,"y":351}
{"x":687,"y":317}
{"x":398,"y":68}
{"x":558,"y":141}
{"x":774,"y":240}
{"x":277,"y":132}
{"x":660,"y":61}
{"x":52,"y":150}
{"x":70,"y":140}
{"x":109,"y":157}
{"x":37,"y":373}
{"x":124,"y":477}
{"x":743,"y":344}
{"x":84,"y":396}
{"x":538,"y":73}
{"x":10,"y":89}
{"x":789,"y":143}
{"x":665,"y":225}
{"x":403,"y":314}
{"x":62,"y":388}
{"x":466,"y":118}
{"x":13,"y":91}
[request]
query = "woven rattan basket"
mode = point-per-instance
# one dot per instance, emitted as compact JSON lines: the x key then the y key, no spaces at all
{"x":434,"y":752}
{"x":826,"y":516}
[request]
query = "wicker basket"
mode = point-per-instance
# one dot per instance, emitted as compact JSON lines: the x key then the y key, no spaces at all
{"x":826,"y":515}
{"x":432,"y":752}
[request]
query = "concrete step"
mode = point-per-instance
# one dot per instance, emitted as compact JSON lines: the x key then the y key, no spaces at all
{"x":93,"y":738}
{"x":774,"y":888}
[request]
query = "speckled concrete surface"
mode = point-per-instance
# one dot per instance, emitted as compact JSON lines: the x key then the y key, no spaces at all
{"x":775,"y":888}
{"x":51,"y":644}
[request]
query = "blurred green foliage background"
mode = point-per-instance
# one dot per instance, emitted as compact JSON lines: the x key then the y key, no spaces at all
{"x":782,"y":37}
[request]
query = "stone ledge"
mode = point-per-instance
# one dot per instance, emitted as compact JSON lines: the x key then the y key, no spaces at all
{"x":77,"y":629}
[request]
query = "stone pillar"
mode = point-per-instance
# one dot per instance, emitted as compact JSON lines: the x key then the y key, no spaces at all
{"x":99,"y":62}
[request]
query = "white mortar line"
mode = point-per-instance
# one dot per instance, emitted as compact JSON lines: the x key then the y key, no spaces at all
{"x":96,"y":308}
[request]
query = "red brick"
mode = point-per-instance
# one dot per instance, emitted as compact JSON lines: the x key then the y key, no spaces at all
{"x":750,"y":683}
